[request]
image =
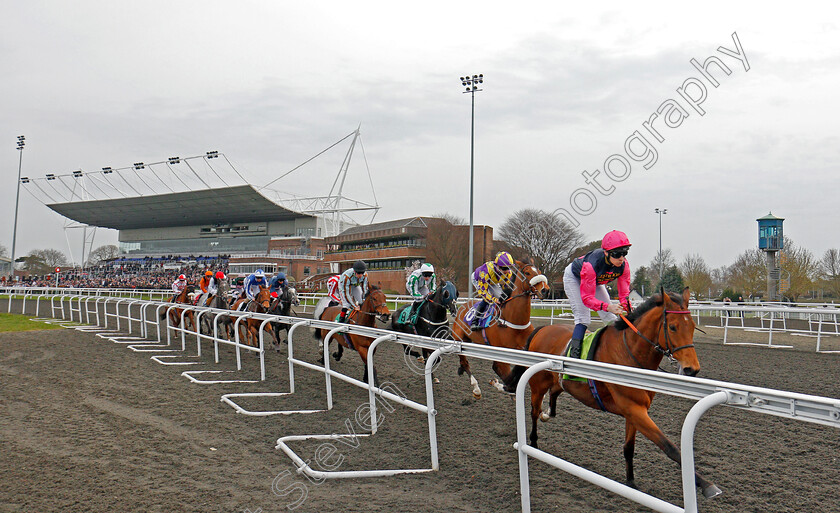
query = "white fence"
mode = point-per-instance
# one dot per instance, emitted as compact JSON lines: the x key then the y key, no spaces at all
{"x":707,"y":393}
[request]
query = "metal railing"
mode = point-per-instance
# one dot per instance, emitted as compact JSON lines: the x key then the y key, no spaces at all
{"x":707,"y":393}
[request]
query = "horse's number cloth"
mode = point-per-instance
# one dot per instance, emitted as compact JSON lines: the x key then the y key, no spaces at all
{"x":404,"y":315}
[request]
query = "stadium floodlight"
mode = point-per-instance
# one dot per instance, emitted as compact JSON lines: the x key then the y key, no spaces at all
{"x":77,"y":174}
{"x":174,"y":160}
{"x":471,"y":83}
{"x":21,"y":142}
{"x":107,"y":170}
{"x":212,"y":154}
{"x":139,"y":165}
{"x":24,"y":179}
{"x":50,"y":176}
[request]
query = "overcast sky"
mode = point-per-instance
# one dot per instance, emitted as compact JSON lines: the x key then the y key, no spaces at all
{"x":270,"y":84}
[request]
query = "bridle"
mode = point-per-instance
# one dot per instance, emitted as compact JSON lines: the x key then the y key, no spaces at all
{"x":666,"y":351}
{"x":530,"y":291}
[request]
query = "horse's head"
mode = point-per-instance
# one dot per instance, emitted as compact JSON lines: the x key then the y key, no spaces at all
{"x":292,"y":296}
{"x":527,"y":278}
{"x":263,"y":297}
{"x":665,"y":323}
{"x":677,"y":334}
{"x":446,"y":295}
{"x":375,"y":303}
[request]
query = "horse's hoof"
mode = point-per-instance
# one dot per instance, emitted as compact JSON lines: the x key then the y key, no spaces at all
{"x":477,"y":395}
{"x":321,"y":360}
{"x":337,"y":356}
{"x":421,"y":359}
{"x":435,"y":380}
{"x":544,"y":416}
{"x":711,"y":491}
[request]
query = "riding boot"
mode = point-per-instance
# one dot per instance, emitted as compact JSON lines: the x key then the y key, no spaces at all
{"x":343,"y":317}
{"x":479,"y":314}
{"x":574,"y":347}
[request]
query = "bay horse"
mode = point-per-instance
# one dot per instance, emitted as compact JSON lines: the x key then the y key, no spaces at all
{"x":249,"y":328}
{"x":373,"y":306}
{"x":182,"y":297}
{"x":282,"y":305}
{"x":432,"y":318}
{"x":512,"y":327}
{"x":661,"y":326}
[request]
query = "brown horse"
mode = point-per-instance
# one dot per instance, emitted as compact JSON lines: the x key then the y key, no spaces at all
{"x":175,"y":313}
{"x":513,"y":326}
{"x":661,"y":326}
{"x":372,"y":306}
{"x":249,"y":329}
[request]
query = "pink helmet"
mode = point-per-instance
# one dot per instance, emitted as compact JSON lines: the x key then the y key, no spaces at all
{"x":614,"y":239}
{"x":220,"y":275}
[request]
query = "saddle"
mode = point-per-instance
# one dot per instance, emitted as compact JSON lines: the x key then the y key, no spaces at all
{"x":407,"y":316}
{"x":587,"y":350}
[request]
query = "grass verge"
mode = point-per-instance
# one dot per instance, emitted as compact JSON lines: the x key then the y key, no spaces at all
{"x":15,"y":322}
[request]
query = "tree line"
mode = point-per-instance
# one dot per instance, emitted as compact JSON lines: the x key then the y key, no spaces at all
{"x":552,"y":243}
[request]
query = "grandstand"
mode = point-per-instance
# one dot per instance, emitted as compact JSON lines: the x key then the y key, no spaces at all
{"x":180,"y":209}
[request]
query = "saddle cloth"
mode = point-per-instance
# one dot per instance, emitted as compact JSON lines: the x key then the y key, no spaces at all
{"x":406,"y":318}
{"x":587,"y":350}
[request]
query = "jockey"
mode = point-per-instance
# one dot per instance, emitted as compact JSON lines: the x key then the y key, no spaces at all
{"x":488,"y":280}
{"x":202,"y":284}
{"x":421,"y":284}
{"x":214,"y":283}
{"x":352,"y":288}
{"x":178,"y":286}
{"x":253,"y":283}
{"x":332,"y":289}
{"x":585,"y":282}
{"x":277,"y":283}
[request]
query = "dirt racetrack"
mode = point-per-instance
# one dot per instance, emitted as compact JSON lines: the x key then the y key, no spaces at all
{"x":88,"y":425}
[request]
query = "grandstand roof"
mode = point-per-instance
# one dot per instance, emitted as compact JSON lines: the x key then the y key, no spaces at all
{"x":203,"y":207}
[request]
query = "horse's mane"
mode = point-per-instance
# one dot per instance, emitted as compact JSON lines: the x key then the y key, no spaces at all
{"x":371,"y":288}
{"x":654,"y":301}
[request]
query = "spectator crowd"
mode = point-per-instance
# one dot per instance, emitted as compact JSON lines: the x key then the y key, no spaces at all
{"x":133,"y":273}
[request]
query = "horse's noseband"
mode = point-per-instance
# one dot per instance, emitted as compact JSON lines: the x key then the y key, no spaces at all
{"x":664,"y":351}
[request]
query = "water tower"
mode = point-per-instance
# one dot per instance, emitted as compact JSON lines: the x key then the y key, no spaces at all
{"x":771,"y":240}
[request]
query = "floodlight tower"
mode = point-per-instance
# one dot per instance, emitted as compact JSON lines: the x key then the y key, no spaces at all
{"x":20,"y":144}
{"x":471,"y":83}
{"x":771,"y":240}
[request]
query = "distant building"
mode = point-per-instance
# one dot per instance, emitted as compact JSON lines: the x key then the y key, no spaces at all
{"x":389,"y":248}
{"x":300,"y":258}
{"x":5,"y":266}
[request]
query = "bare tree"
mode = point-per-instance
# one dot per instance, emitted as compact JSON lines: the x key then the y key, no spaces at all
{"x":103,"y":254}
{"x":661,"y":262}
{"x":545,"y":238}
{"x":748,"y":274}
{"x":720,"y":279}
{"x":3,"y":250}
{"x":696,"y":275}
{"x":43,"y":261}
{"x":445,"y":247}
{"x":801,"y":266}
{"x":830,"y":270}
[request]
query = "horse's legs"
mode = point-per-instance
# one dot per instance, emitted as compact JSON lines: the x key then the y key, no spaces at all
{"x":556,"y":390}
{"x":629,"y":451}
{"x":638,"y":415}
{"x":538,"y":388}
{"x":363,"y":353}
{"x":465,"y":367}
{"x":503,"y":371}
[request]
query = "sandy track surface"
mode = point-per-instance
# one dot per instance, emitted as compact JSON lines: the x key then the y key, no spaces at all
{"x":88,"y":425}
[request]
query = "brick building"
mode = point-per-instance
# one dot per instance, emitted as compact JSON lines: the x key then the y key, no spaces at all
{"x":388,"y":248}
